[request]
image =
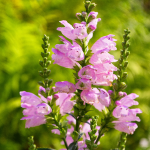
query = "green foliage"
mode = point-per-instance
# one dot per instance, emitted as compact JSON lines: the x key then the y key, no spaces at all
{"x":22,"y":26}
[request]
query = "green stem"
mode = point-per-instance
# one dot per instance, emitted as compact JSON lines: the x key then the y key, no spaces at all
{"x":122,"y":142}
{"x":101,"y":132}
{"x":65,"y":143}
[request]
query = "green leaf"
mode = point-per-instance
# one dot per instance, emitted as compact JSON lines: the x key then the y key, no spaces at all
{"x":73,"y":146}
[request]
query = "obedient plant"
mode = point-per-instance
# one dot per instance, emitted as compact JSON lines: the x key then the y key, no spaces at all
{"x":66,"y":106}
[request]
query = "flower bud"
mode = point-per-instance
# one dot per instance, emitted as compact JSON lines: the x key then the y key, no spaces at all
{"x":41,"y":73}
{"x":92,"y":6}
{"x":123,"y":85}
{"x":41,"y":63}
{"x":127,"y":53}
{"x":87,"y":4}
{"x":50,"y":82}
{"x":84,"y":14}
{"x":125,"y":74}
{"x":125,"y":64}
{"x":41,"y":83}
{"x":79,"y":16}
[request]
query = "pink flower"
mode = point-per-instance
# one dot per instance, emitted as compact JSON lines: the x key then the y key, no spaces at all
{"x":64,"y":102}
{"x":35,"y":110}
{"x":83,"y":84}
{"x":93,"y":24}
{"x":32,"y":121}
{"x":75,"y":53}
{"x":71,"y":119}
{"x":90,"y":96}
{"x":105,"y":79}
{"x":93,"y":14}
{"x":128,"y":100}
{"x":126,"y":115}
{"x":126,"y":127}
{"x":64,"y":87}
{"x":99,"y":106}
{"x":104,"y":97}
{"x":62,"y":60}
{"x":29,"y":98}
{"x":99,"y":58}
{"x":55,"y":131}
{"x":105,"y":43}
{"x":123,"y":113}
{"x":78,"y":32}
{"x":67,"y":54}
{"x":87,"y":72}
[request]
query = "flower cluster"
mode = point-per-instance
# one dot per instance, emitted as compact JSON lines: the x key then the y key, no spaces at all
{"x":35,"y":109}
{"x":93,"y":68}
{"x":126,"y":115}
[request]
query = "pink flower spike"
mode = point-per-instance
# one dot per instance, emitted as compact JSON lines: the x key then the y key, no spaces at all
{"x":83,"y":84}
{"x":64,"y":87}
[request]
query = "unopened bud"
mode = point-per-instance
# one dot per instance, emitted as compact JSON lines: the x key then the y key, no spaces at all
{"x":79,"y":16}
{"x":50,"y":82}
{"x":41,"y":83}
{"x":127,"y":53}
{"x":123,"y":85}
{"x":125,"y":64}
{"x":48,"y":72}
{"x":87,"y":4}
{"x":94,"y":131}
{"x":84,"y":14}
{"x":44,"y":69}
{"x":41,"y":63}
{"x":92,"y":6}
{"x":125,"y":74}
{"x":41,"y":73}
{"x":45,"y":59}
{"x":48,"y":63}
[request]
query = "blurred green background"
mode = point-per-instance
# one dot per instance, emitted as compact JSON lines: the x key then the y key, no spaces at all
{"x":22,"y":26}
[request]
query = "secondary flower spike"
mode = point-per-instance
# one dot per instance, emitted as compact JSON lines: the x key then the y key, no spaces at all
{"x":35,"y":110}
{"x":125,"y":115}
